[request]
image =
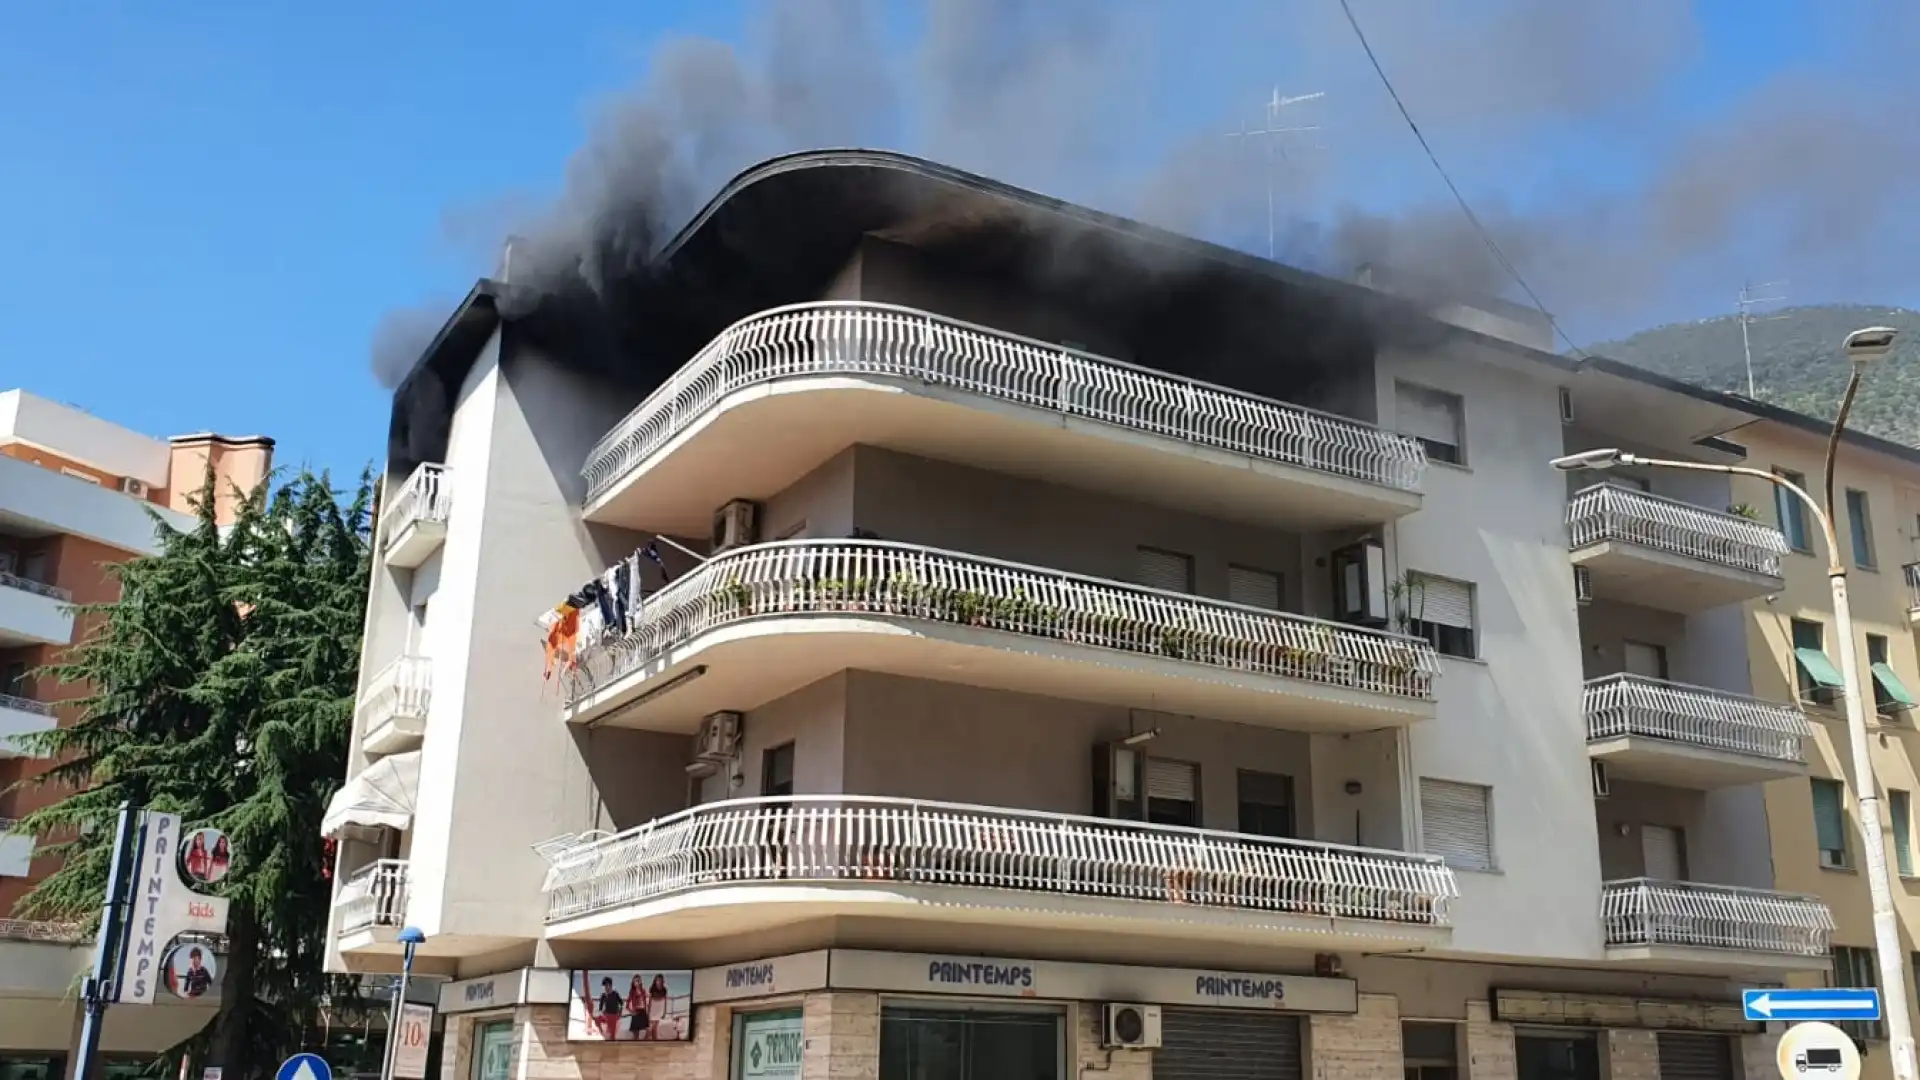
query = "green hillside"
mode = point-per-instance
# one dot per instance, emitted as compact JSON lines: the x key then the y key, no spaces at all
{"x":1796,"y":362}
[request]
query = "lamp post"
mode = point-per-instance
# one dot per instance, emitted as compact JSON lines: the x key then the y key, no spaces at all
{"x":410,"y":938}
{"x":1861,"y":347}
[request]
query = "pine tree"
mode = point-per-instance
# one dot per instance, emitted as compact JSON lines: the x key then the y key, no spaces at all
{"x":221,"y":688}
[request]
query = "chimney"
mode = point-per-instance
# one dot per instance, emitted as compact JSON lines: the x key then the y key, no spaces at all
{"x":240,"y":464}
{"x":504,"y":271}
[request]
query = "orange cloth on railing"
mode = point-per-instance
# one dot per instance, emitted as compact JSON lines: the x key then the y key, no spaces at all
{"x":561,"y":638}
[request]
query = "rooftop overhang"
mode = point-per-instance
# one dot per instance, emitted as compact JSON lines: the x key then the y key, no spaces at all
{"x":1654,"y":412}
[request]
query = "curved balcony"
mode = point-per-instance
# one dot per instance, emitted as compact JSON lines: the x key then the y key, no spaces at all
{"x":1690,"y":736}
{"x":22,"y":716}
{"x":781,"y":392}
{"x":759,"y":622}
{"x":1677,"y":924}
{"x":1662,"y":553}
{"x":757,"y":863}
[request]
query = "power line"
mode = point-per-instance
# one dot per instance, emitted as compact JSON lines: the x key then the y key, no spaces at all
{"x":1472,"y":218}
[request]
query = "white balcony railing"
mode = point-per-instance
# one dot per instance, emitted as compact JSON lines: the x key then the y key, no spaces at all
{"x":374,"y":895}
{"x":37,"y":930}
{"x":805,"y":577}
{"x":851,"y":338}
{"x":426,"y":496}
{"x":37,"y":588}
{"x":1640,"y":912}
{"x":403,"y":688}
{"x":1609,"y":512}
{"x":1621,"y":705}
{"x":850,"y":838}
{"x":26,"y":705}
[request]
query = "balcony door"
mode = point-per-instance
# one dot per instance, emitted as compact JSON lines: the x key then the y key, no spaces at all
{"x":1646,"y":660}
{"x":1663,"y":853}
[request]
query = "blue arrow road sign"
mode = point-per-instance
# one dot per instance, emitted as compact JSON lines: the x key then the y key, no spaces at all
{"x":315,"y":1067}
{"x":1833,"y":1003}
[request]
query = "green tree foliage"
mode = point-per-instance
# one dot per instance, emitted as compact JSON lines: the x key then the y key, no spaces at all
{"x":1796,"y":362}
{"x":221,"y":688}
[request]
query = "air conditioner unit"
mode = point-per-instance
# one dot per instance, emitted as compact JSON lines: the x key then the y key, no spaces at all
{"x":719,"y":738}
{"x":1582,"y":585}
{"x":735,"y":525}
{"x":1130,"y":1027}
{"x":1601,"y":788}
{"x":135,"y":488}
{"x":1566,"y":405}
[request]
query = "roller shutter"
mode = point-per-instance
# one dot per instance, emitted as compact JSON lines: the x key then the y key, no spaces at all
{"x":1254,"y":588}
{"x":1167,"y":570}
{"x":1687,"y":1056}
{"x":1441,"y":601}
{"x":1171,"y":780}
{"x":1220,"y":1044}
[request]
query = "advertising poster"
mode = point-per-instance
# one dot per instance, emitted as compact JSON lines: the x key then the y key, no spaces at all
{"x":628,"y":1005}
{"x":191,"y":971}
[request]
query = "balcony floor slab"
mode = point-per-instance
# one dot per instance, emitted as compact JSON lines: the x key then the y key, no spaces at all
{"x":414,"y":543}
{"x":395,"y":734}
{"x":1678,"y":959}
{"x":1649,"y":577}
{"x":750,"y":663}
{"x":16,"y":722}
{"x":1681,"y":765}
{"x":759,"y":441}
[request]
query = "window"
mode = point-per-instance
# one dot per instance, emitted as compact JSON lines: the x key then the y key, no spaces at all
{"x":13,"y":679}
{"x":1254,"y":588}
{"x":1645,"y":659}
{"x":1853,"y":967}
{"x":1456,"y":823}
{"x":1441,"y":611}
{"x":1890,"y":695}
{"x":767,"y":1045}
{"x":776,"y":771}
{"x":1169,"y":571}
{"x":1816,"y":676}
{"x":1830,"y":823}
{"x":1791,"y":512}
{"x":493,"y":1051}
{"x":1266,"y":804}
{"x":1900,"y":807}
{"x":972,"y":1043}
{"x":1173,"y":792}
{"x":1663,"y":853}
{"x":1860,"y":525}
{"x":80,"y":475}
{"x":1431,"y":1051}
{"x":1435,"y":418}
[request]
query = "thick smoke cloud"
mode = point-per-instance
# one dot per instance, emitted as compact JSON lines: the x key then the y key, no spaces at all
{"x":1794,"y":176}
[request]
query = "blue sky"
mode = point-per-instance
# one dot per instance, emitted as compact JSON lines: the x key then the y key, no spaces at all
{"x":207,"y":214}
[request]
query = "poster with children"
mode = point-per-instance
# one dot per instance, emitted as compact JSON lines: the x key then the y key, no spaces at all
{"x":631,"y":1006}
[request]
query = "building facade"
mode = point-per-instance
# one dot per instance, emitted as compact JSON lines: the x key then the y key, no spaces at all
{"x":983,"y":638}
{"x":76,"y":493}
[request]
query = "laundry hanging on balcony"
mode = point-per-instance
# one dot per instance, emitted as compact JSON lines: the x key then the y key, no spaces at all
{"x":607,"y":606}
{"x":381,"y":796}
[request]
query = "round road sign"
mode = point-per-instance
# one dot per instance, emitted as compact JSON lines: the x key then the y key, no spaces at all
{"x":1817,"y":1051}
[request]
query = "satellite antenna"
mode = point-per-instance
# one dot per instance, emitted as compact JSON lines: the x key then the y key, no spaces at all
{"x":1270,"y":131}
{"x":1752,"y":296}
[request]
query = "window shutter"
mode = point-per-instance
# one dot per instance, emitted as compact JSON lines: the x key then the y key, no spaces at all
{"x":1425,"y":414}
{"x":1660,"y":850}
{"x":1437,"y":600}
{"x":1168,"y":570}
{"x":1829,"y":822}
{"x":1172,"y":780}
{"x":1900,"y":805}
{"x":1455,"y":823}
{"x":1254,"y":588}
{"x":1646,"y":660}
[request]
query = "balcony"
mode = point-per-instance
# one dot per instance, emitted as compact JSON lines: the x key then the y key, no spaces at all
{"x":16,"y":850}
{"x":753,"y":864}
{"x":393,"y":711}
{"x":414,"y":523}
{"x":34,"y":614}
{"x":22,"y":716}
{"x":1678,"y":925}
{"x":1661,"y":553}
{"x":1690,"y":736}
{"x":59,"y":933}
{"x":756,"y":623}
{"x":371,"y":906}
{"x":781,"y":392}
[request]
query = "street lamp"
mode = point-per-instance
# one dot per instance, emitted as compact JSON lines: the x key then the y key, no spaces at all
{"x":410,"y":939}
{"x":1861,"y":347}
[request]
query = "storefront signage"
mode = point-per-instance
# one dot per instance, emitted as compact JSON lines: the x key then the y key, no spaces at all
{"x":907,"y":973}
{"x":762,"y":978}
{"x":410,"y":1049}
{"x":1620,"y":1011}
{"x":524,"y":986}
{"x":162,"y":908}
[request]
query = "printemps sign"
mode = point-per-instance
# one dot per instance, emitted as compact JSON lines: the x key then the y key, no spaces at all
{"x":161,"y":906}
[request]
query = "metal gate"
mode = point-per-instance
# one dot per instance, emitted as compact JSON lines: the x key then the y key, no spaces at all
{"x":1220,"y":1044}
{"x":1695,"y":1057}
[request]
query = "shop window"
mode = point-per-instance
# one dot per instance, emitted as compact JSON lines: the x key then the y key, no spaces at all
{"x":1431,"y":1051}
{"x":926,"y":1043}
{"x":493,"y":1051}
{"x":1266,"y":804}
{"x":768,"y":1045}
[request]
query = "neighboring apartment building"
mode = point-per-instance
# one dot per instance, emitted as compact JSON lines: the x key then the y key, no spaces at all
{"x":75,"y":492}
{"x":1816,"y":840}
{"x":969,"y":701}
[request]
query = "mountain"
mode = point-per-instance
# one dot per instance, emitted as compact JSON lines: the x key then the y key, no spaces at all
{"x":1797,"y":363}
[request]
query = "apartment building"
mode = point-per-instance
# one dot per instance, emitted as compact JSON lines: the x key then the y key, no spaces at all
{"x":974,"y":636}
{"x":75,"y":497}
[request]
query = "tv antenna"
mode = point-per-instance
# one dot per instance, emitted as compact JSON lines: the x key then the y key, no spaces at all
{"x":1752,"y":296}
{"x":1270,"y":131}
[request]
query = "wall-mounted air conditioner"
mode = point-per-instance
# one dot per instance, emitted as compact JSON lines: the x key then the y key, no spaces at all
{"x":719,"y":738}
{"x":735,"y":525}
{"x":133,"y":487}
{"x":1130,"y":1027}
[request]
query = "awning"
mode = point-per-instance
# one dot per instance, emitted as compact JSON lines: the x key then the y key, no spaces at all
{"x":1898,"y":697}
{"x":1819,"y":668}
{"x":380,"y":797}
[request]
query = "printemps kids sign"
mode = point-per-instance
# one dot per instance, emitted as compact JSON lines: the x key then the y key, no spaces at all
{"x":162,"y":904}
